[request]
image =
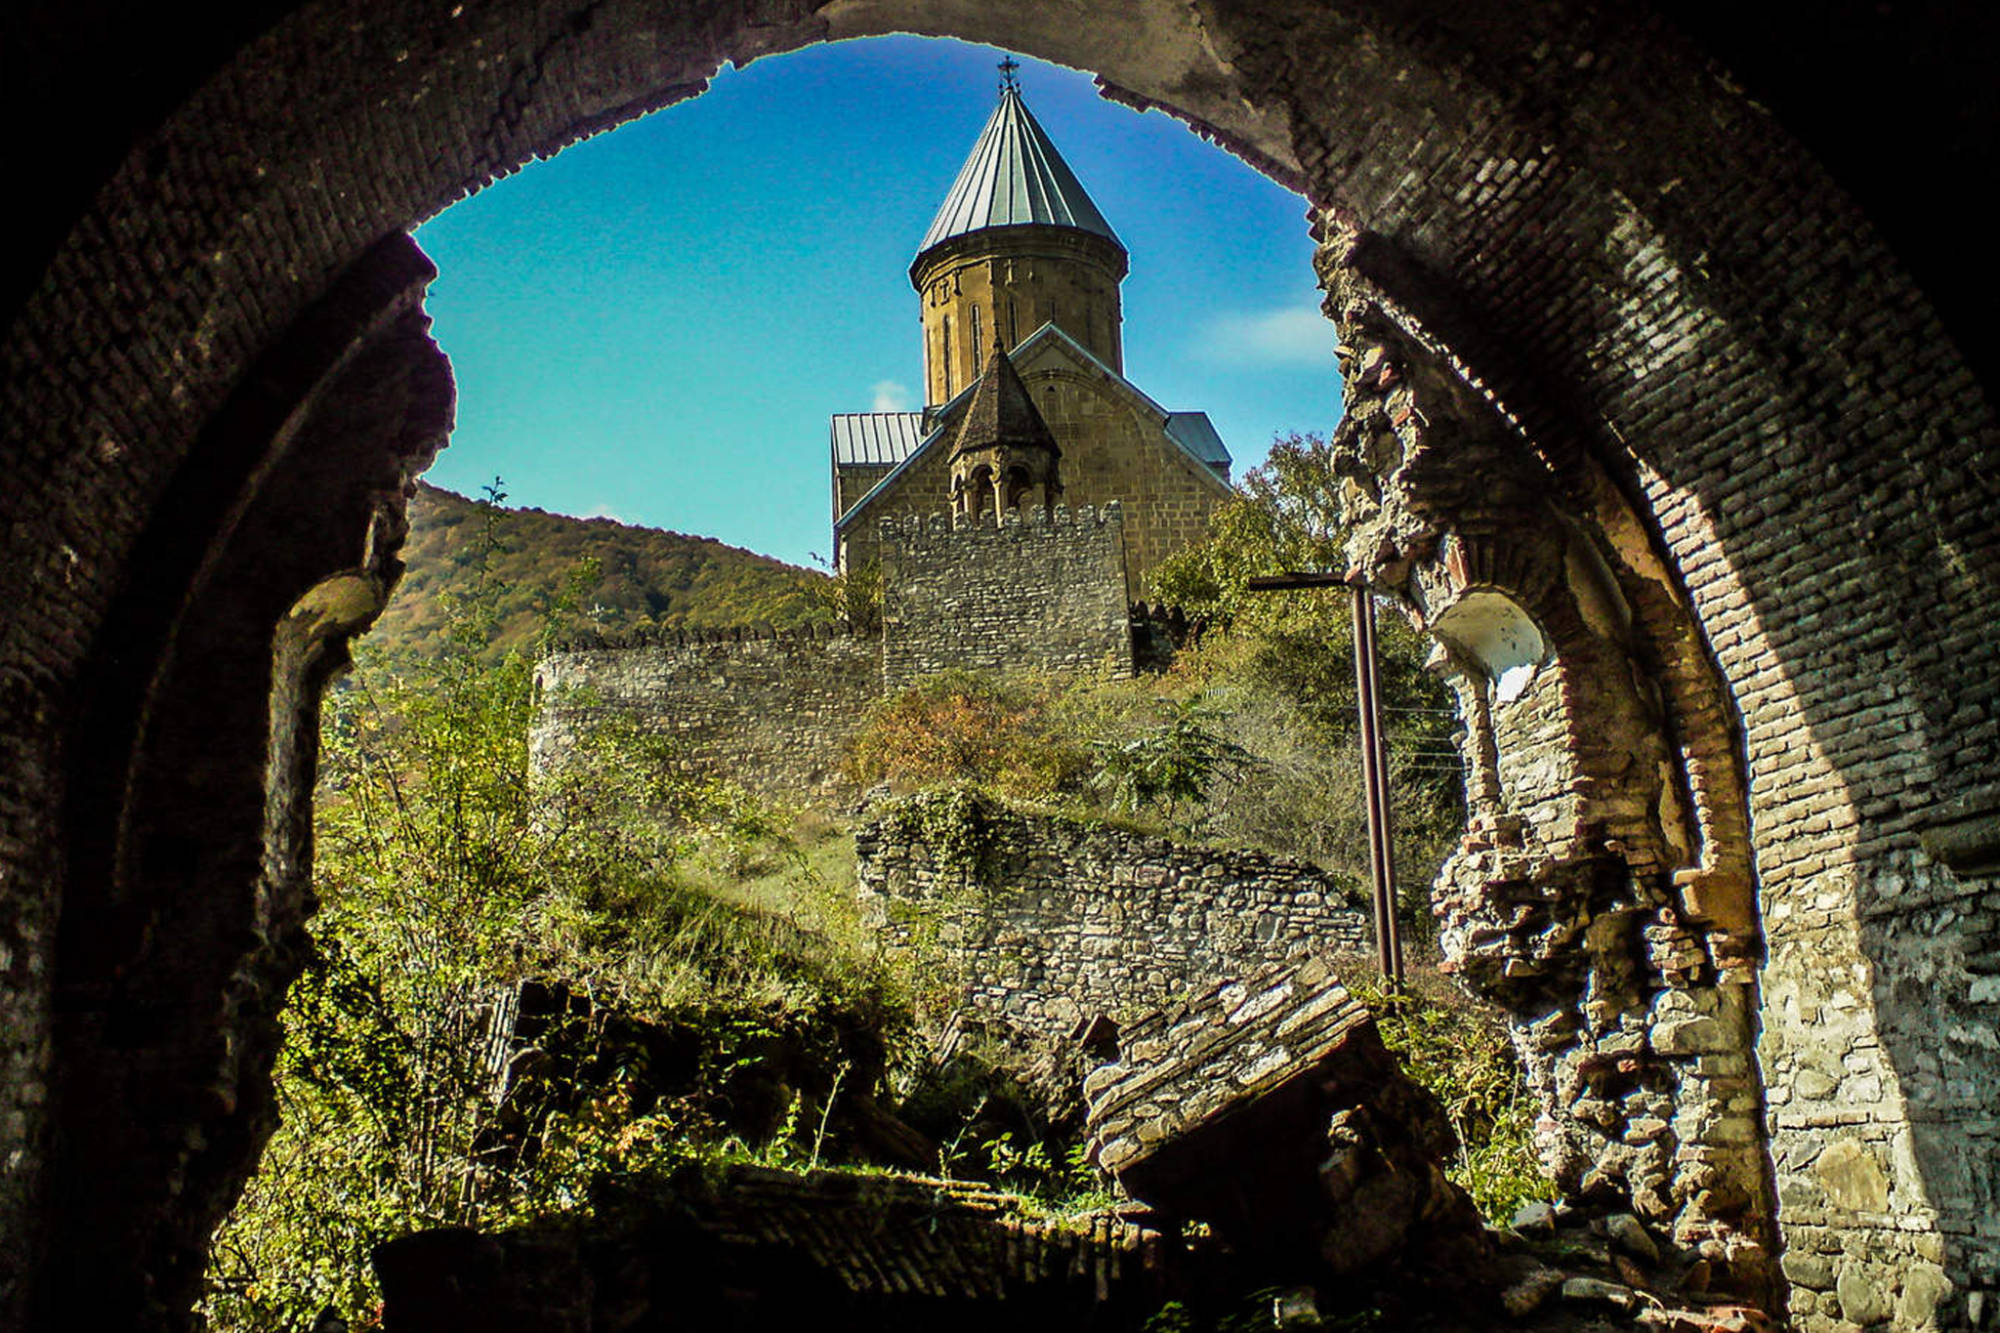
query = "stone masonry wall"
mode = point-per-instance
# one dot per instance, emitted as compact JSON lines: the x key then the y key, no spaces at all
{"x":1111,"y":452}
{"x":774,"y":712}
{"x":1050,"y":921}
{"x":1601,"y":895}
{"x":1040,"y":590}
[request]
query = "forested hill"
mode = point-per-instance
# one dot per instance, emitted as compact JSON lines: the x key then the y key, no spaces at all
{"x":646,"y":577}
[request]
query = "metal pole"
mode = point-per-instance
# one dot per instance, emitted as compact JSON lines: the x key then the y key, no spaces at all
{"x":1364,"y":699}
{"x":1385,"y":823}
{"x":1375,"y":781}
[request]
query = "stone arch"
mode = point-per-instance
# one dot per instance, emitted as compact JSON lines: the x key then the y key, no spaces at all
{"x":1022,"y":489}
{"x":973,"y":492}
{"x":1705,"y":343}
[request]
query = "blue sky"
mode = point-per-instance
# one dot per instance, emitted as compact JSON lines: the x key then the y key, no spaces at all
{"x":655,"y":324}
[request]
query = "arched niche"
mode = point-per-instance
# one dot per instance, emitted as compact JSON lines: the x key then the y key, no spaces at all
{"x":1490,"y":628}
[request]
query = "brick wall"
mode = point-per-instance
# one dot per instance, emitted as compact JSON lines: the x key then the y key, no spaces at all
{"x":1050,"y":921}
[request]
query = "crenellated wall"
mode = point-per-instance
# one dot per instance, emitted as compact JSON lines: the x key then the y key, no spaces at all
{"x":778,"y":711}
{"x":772,"y":711}
{"x":1040,"y":590}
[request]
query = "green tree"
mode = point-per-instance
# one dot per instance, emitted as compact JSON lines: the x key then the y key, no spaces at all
{"x":447,"y":871}
{"x":1171,"y":763}
{"x":1284,"y":661}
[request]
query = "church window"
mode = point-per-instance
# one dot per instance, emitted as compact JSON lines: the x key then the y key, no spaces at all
{"x":978,"y":355}
{"x":1018,"y":483}
{"x":944,"y":347}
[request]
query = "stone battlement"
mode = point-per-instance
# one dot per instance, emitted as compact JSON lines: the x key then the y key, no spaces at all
{"x":592,"y":641}
{"x":906,"y":527}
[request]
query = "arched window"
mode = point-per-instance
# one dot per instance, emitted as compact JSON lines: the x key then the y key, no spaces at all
{"x":1018,"y":484}
{"x":978,"y":490}
{"x":944,"y":354}
{"x":978,"y":353}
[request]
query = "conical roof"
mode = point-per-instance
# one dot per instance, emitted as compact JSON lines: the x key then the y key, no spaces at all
{"x":1014,"y":177}
{"x":1002,"y":412}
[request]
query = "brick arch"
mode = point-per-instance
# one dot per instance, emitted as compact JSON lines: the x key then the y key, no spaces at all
{"x":1532,"y":195}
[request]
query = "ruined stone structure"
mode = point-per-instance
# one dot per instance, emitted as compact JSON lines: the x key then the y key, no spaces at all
{"x":776,"y":710}
{"x":1608,"y":894}
{"x":1019,"y":277}
{"x":1669,"y":300}
{"x":1267,"y":1105}
{"x":762,"y":1248}
{"x":1053,"y":923}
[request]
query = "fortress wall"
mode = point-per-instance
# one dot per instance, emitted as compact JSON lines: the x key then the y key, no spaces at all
{"x":1041,"y":590}
{"x":773,"y":712}
{"x":1050,"y":921}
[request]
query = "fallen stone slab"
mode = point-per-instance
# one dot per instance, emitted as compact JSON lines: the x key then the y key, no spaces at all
{"x":1268,"y":1108}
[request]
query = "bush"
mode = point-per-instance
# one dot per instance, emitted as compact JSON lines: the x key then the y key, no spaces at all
{"x":955,"y":727}
{"x":1459,"y":1049}
{"x":450,"y":874}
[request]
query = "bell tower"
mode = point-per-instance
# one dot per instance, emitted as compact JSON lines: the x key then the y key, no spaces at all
{"x":1017,"y":244}
{"x":1005,"y":457}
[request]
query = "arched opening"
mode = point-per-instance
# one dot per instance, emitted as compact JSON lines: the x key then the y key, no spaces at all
{"x":1534,"y":261}
{"x":1494,"y":631}
{"x":1019,"y":483}
{"x":975,"y":493}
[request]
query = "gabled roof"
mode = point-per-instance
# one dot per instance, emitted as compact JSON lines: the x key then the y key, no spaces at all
{"x":1014,"y":177}
{"x":1194,"y":432}
{"x":1191,"y":432}
{"x":876,"y":438}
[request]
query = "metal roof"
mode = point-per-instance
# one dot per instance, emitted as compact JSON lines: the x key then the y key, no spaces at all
{"x":1014,"y":178}
{"x":879,"y":438}
{"x":1194,"y":432}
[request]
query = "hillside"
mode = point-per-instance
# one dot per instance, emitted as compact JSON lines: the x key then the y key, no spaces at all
{"x":646,"y":577}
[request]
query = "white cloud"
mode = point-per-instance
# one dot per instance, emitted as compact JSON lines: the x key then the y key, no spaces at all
{"x":891,"y":396}
{"x":1293,"y":336}
{"x":606,"y":511}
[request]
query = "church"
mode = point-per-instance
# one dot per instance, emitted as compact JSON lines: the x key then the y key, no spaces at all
{"x":1028,"y":406}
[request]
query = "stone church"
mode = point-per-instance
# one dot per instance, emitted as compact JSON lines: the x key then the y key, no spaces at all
{"x":1028,"y":406}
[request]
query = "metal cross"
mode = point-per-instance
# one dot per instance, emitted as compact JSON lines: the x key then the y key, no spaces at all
{"x":1007,"y":67}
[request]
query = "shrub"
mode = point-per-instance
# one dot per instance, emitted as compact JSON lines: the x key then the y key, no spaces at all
{"x":956,"y":727}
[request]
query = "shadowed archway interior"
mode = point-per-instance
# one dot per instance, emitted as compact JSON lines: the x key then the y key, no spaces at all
{"x":1621,"y":351}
